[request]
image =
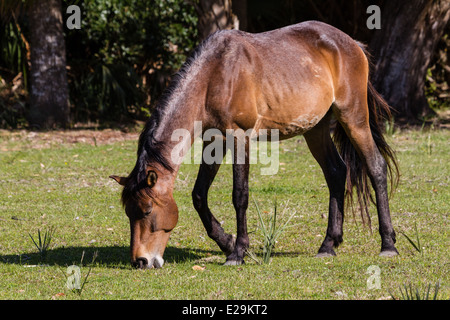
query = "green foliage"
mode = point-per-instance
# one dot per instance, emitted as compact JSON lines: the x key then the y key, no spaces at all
{"x":124,"y":53}
{"x":12,"y":50}
{"x":13,"y":75}
{"x":108,"y":91}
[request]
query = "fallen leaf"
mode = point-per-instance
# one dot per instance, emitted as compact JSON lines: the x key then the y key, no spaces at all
{"x":60,"y":294}
{"x":198,"y":268}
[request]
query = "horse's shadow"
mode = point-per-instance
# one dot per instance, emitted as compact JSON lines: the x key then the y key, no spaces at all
{"x":112,"y":256}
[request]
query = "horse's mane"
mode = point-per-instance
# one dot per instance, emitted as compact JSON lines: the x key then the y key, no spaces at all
{"x":151,"y":151}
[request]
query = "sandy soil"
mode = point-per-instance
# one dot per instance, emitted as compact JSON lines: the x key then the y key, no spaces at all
{"x":15,"y":140}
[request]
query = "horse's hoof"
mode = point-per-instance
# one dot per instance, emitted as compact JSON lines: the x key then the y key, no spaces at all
{"x":324,"y":255}
{"x":388,"y":253}
{"x":233,"y":262}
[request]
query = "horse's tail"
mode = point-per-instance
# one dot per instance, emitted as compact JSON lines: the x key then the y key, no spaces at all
{"x":357,"y":172}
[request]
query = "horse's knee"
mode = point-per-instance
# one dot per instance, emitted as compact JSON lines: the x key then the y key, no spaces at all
{"x":198,"y":199}
{"x":240,"y":198}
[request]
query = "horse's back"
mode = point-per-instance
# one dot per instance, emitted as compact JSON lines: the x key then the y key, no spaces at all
{"x":283,"y":79}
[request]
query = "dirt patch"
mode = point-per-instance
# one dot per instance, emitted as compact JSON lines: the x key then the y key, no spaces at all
{"x":19,"y":139}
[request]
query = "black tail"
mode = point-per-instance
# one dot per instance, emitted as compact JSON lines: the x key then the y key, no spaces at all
{"x":357,"y":173}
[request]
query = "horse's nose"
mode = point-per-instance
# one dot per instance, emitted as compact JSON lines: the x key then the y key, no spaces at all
{"x":140,"y":263}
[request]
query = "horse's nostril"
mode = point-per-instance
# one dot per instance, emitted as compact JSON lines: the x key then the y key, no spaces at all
{"x":140,"y":263}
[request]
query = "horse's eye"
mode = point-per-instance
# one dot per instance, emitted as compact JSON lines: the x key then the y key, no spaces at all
{"x":149,"y":209}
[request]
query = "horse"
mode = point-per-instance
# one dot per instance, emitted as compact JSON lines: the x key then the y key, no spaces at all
{"x":296,"y":80}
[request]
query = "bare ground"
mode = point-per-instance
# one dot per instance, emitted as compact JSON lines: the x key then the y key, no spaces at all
{"x":25,"y":139}
{"x":20,"y":139}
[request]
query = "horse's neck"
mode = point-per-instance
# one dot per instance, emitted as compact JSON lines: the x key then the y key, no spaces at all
{"x":178,"y":124}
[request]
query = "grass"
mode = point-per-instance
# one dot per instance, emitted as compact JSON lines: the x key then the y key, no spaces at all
{"x":416,"y":244}
{"x":73,"y":280}
{"x":43,"y":244}
{"x":408,"y":293}
{"x":270,"y":232}
{"x":66,"y":187}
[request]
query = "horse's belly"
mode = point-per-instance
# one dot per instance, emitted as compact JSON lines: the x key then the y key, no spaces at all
{"x":288,"y":129}
{"x":296,"y":113}
{"x":294,"y":105}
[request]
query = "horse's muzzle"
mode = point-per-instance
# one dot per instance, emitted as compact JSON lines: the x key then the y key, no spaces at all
{"x":143,"y":263}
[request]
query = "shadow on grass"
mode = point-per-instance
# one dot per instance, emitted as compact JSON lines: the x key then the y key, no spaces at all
{"x":113,"y":257}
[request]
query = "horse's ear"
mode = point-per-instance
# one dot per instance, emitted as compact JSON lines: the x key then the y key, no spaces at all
{"x":120,"y":180}
{"x":152,"y":177}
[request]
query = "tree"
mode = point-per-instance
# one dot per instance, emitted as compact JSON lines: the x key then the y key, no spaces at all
{"x":402,"y":51}
{"x":239,"y":8}
{"x":49,"y":95}
{"x":214,"y":15}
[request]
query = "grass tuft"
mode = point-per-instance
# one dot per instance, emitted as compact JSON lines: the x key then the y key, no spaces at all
{"x":270,"y":232}
{"x":42,"y":244}
{"x":410,"y":293}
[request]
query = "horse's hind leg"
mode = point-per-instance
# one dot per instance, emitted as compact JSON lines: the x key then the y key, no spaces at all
{"x":205,"y":177}
{"x":355,"y":121}
{"x":324,"y":151}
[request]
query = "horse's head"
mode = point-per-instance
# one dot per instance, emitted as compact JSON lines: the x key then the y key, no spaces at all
{"x":153,"y":214}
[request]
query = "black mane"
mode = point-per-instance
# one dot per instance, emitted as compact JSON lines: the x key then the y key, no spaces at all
{"x":150,"y":151}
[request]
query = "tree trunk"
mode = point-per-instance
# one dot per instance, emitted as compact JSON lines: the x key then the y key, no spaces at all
{"x":402,"y":51}
{"x":214,"y":15}
{"x":239,"y":8}
{"x":49,"y":95}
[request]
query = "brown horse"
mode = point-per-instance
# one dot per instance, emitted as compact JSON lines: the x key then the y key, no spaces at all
{"x":291,"y":79}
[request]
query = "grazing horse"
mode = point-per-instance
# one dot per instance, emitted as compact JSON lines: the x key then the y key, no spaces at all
{"x":292,"y":80}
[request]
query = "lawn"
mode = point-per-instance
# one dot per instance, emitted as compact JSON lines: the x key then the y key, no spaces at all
{"x":63,"y":185}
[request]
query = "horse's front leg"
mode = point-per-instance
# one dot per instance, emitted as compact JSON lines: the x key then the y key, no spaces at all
{"x":241,"y":168}
{"x":205,"y":177}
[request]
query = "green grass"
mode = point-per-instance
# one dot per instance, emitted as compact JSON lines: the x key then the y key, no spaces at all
{"x":66,"y":188}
